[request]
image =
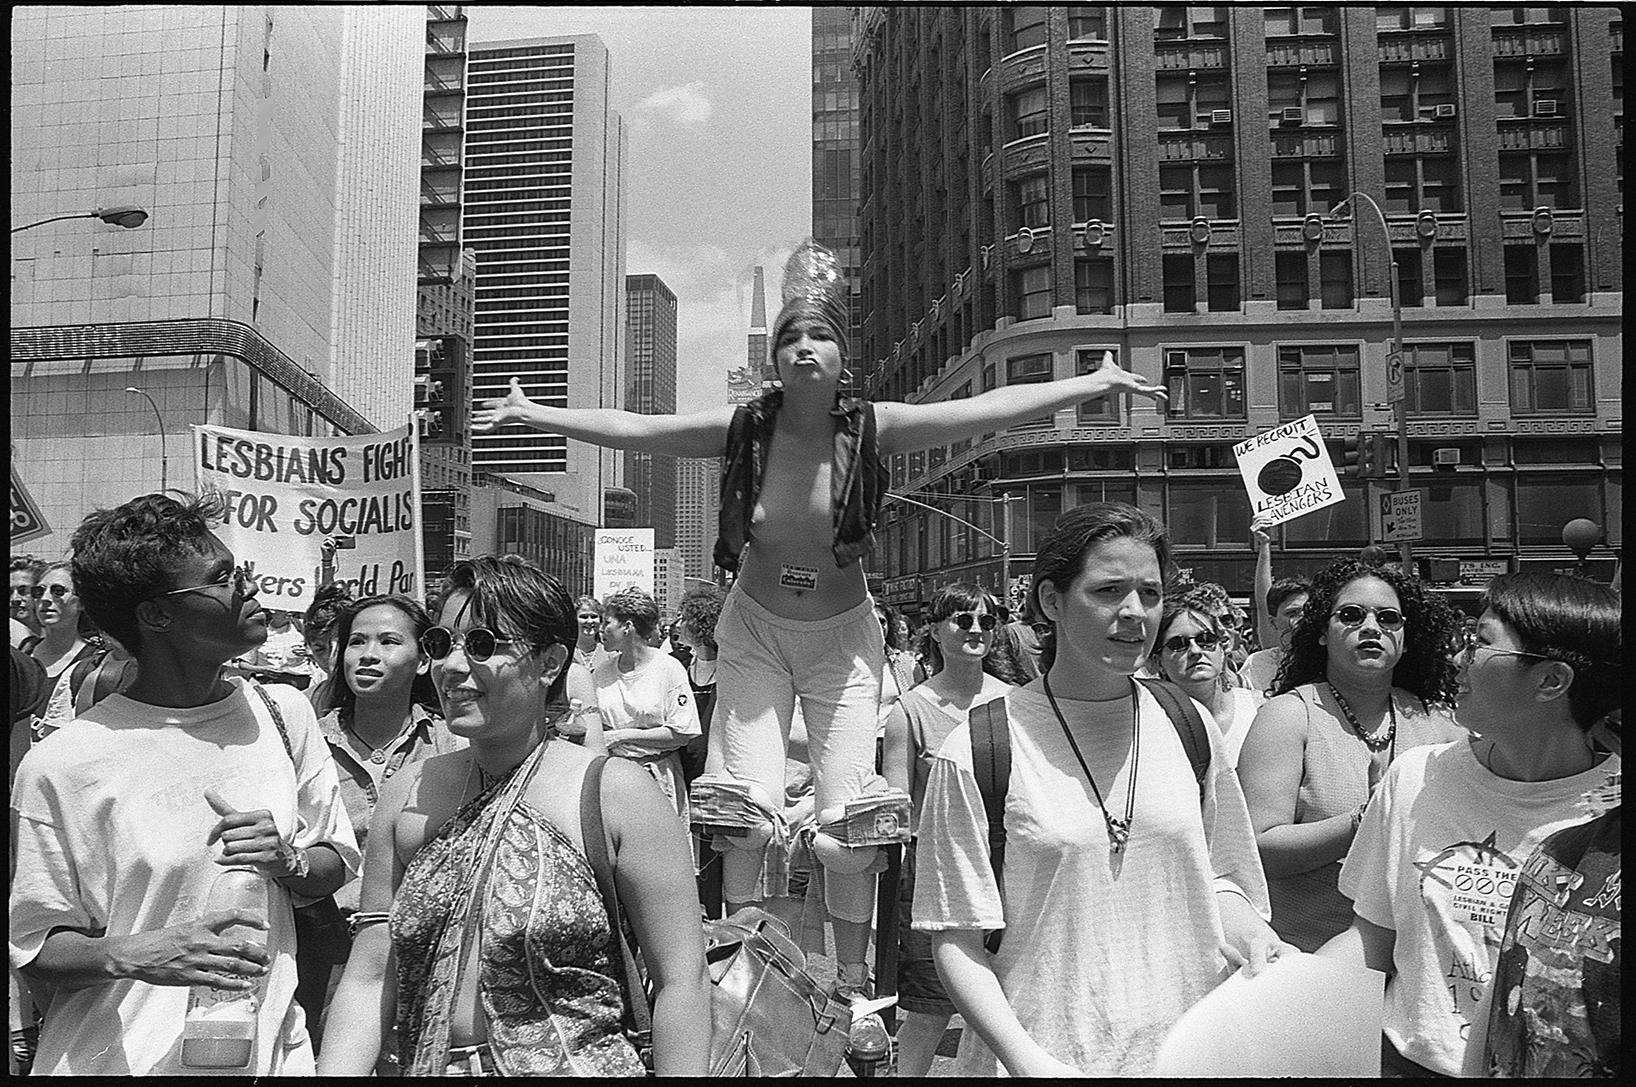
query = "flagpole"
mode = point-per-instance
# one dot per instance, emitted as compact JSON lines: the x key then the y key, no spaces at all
{"x":420,"y":509}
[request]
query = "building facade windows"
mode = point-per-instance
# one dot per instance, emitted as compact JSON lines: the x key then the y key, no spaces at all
{"x":1088,"y":102}
{"x":1284,"y":22}
{"x":1440,"y":379}
{"x":1031,"y":292}
{"x":1188,"y":189}
{"x":1203,"y":513}
{"x":1092,"y":199}
{"x":1567,"y":273}
{"x":1087,"y":21}
{"x":1189,"y":101}
{"x":1180,"y":294}
{"x":1221,"y":282}
{"x":1551,"y":377}
{"x":1320,"y":379}
{"x":1307,"y":186}
{"x":1033,"y":199}
{"x":1093,"y":284}
{"x":1024,"y":26}
{"x":1521,"y":275}
{"x":1178,"y":22}
{"x":1548,"y":500}
{"x":1290,"y":273}
{"x":1335,"y":280}
{"x":1027,"y":114}
{"x":1205,"y":382}
{"x":1414,"y":93}
{"x":1029,"y":370}
{"x":1416,"y":183}
{"x":1450,"y":281}
{"x":1315,"y":94}
{"x":1406,"y":17}
{"x":1531,"y":87}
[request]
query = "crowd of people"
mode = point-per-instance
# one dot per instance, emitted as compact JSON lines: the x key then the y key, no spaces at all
{"x":392,"y":842}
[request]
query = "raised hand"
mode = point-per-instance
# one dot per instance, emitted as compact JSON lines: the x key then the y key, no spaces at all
{"x":1121,"y":380}
{"x":1260,"y":533}
{"x":493,"y":414}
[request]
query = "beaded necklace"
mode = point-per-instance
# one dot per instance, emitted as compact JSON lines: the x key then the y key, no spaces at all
{"x":1372,"y":740}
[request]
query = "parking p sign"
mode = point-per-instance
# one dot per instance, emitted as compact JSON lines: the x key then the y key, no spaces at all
{"x":1400,"y":516}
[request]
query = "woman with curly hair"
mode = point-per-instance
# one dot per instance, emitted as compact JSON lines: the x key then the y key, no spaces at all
{"x":696,"y":629}
{"x":1367,"y":677}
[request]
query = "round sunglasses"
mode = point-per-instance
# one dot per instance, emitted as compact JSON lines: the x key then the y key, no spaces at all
{"x":1352,"y":615}
{"x":965,"y":619}
{"x":478,"y":643}
{"x":1203,"y":639}
{"x":58,"y":591}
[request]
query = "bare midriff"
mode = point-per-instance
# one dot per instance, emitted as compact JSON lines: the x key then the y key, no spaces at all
{"x":788,"y":566}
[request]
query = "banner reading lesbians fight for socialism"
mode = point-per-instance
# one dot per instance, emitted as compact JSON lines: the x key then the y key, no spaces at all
{"x":286,"y":495}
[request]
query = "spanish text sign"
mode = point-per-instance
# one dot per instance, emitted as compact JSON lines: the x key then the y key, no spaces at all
{"x":286,"y":495}
{"x":624,"y":557}
{"x":1288,"y":472}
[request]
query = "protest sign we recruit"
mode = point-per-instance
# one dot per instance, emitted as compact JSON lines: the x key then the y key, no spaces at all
{"x":287,"y":495}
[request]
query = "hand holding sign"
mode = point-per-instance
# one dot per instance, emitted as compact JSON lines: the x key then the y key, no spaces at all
{"x":1288,"y":472}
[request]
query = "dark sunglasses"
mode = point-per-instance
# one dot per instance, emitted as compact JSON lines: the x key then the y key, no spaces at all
{"x":985,"y":623}
{"x":1352,"y":614}
{"x":478,"y":643}
{"x":1203,"y":639}
{"x":58,"y":591}
{"x":235,"y":580}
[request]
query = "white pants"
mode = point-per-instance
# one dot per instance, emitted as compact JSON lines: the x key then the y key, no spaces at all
{"x":834,"y":666}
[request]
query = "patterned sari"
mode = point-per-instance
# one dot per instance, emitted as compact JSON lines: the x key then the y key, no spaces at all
{"x":547,"y":984}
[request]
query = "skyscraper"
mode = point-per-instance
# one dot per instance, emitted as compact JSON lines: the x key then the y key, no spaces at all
{"x":544,"y":209}
{"x":747,"y":384}
{"x":238,"y":301}
{"x":1042,"y":183}
{"x":650,"y":355}
{"x":698,"y":498}
{"x":835,"y":156}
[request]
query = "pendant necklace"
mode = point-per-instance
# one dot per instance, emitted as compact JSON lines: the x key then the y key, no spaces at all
{"x":377,"y":755}
{"x":1118,"y":829}
{"x":1372,"y":740}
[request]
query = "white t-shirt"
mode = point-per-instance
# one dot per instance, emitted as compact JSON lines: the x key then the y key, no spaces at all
{"x":1099,"y":958}
{"x":654,"y":694}
{"x":112,"y":827}
{"x":1245,"y":703}
{"x":1260,"y":668}
{"x":1436,"y":859}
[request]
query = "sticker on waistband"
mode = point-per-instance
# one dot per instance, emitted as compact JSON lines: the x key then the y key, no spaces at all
{"x":797,"y":577}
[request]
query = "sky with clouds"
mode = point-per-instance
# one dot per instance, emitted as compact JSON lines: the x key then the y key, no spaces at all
{"x":718,"y":108}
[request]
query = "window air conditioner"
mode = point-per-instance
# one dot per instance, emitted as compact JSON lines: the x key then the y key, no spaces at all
{"x":1444,"y":458}
{"x":1446,"y":109}
{"x":1294,"y":115}
{"x":1221,"y":116}
{"x":1545,"y":107}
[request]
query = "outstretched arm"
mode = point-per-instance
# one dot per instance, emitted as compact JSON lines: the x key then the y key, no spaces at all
{"x":907,"y":427}
{"x":1265,"y":632}
{"x":700,"y":434}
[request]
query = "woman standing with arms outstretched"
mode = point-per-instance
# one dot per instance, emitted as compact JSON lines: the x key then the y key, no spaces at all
{"x":1130,"y":886}
{"x":802,"y":485}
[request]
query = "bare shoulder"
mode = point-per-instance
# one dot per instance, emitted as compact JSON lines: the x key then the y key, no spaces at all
{"x":1282,"y":717}
{"x":421,"y":797}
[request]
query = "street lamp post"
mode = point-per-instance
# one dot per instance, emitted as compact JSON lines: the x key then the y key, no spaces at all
{"x":1394,"y":362}
{"x":125,"y":215}
{"x":164,"y":442}
{"x":1005,"y":528}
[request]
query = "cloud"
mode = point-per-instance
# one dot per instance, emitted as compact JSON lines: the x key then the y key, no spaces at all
{"x":684,"y":106}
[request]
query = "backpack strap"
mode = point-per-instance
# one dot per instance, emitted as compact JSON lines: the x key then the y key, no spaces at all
{"x":991,"y":766}
{"x":77,"y":675}
{"x":598,"y":851}
{"x":1189,"y":725}
{"x":278,"y":718}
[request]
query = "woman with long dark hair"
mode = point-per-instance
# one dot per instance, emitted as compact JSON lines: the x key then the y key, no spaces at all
{"x":1367,"y":677}
{"x":1130,"y":877}
{"x":482,"y":932}
{"x":1442,"y":846}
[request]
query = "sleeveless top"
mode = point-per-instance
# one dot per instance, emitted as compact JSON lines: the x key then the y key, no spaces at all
{"x":1308,"y":908}
{"x":547,"y":981}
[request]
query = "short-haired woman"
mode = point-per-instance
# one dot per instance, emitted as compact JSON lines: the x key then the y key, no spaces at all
{"x":644,"y":696}
{"x":1367,"y":678}
{"x":481,"y":929}
{"x":964,"y":633}
{"x":1441,"y":847}
{"x":1128,"y":883}
{"x":1191,"y":651}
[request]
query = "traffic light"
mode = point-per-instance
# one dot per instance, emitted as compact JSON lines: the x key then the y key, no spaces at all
{"x":1366,"y":455}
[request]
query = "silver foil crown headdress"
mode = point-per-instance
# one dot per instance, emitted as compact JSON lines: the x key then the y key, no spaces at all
{"x":814,"y":287}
